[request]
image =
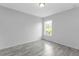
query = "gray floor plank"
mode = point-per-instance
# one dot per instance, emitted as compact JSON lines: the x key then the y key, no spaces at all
{"x":39,"y":48}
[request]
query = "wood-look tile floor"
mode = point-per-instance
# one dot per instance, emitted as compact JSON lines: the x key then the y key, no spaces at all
{"x":39,"y":48}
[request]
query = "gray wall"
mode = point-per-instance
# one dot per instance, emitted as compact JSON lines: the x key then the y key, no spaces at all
{"x":18,"y":28}
{"x":66,"y":28}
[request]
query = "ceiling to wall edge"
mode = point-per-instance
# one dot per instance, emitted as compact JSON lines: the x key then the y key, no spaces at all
{"x":61,"y":12}
{"x":20,"y":11}
{"x":35,"y":15}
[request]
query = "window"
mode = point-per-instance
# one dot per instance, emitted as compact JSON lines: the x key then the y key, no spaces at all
{"x":48,"y":28}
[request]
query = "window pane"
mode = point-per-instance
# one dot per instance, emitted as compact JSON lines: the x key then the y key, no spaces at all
{"x":48,"y":28}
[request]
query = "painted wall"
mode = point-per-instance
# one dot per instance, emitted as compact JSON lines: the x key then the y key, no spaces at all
{"x":66,"y":28}
{"x":18,"y":28}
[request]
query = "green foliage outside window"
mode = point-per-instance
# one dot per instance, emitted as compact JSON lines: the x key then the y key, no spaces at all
{"x":48,"y":29}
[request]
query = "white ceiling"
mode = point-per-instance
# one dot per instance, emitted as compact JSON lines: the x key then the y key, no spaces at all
{"x":34,"y":9}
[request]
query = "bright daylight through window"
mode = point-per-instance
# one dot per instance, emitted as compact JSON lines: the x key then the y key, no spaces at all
{"x":48,"y":28}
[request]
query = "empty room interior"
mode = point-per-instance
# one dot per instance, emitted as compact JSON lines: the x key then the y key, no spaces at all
{"x":39,"y":29}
